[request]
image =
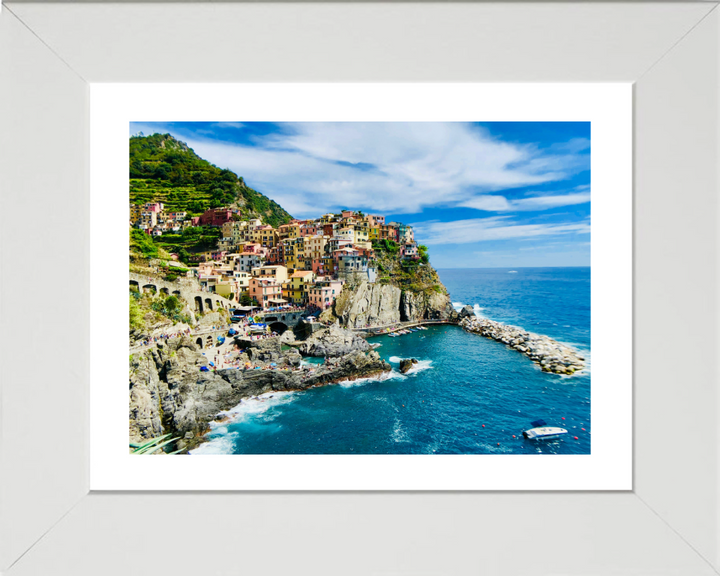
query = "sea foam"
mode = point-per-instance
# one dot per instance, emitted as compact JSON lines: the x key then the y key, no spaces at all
{"x":476,"y":309}
{"x":221,"y":440}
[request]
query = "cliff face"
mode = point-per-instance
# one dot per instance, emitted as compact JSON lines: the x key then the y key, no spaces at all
{"x":380,"y":305}
{"x":169,"y":393}
{"x":368,"y":304}
{"x":428,"y":305}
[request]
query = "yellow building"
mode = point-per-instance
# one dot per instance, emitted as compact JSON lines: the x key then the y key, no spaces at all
{"x":362,"y":235}
{"x":299,"y":286}
{"x":135,"y":212}
{"x":295,"y":253}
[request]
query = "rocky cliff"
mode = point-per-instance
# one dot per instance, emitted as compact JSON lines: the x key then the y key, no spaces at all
{"x":170,"y":394}
{"x":376,"y":304}
{"x":333,"y":342}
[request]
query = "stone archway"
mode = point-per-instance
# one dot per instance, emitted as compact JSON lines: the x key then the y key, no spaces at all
{"x":208,"y":303}
{"x":199,"y":343}
{"x":198,"y":304}
{"x":134,"y":286}
{"x":278,"y":327}
{"x":176,"y":293}
{"x":165,"y":291}
{"x":150,"y":288}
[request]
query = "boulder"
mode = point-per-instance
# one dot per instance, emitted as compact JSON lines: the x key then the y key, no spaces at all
{"x":467,"y":312}
{"x":406,"y":364}
{"x":332,"y":342}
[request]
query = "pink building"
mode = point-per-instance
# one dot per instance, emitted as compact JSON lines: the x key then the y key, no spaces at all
{"x":252,"y":248}
{"x":323,"y":293}
{"x":266,"y":291}
{"x":409,"y":251}
{"x":206,"y":268}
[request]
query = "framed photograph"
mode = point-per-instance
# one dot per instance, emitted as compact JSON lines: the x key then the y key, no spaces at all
{"x":323,"y":338}
{"x":531,"y":189}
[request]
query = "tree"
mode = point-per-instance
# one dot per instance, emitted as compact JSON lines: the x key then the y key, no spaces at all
{"x":245,"y":299}
{"x":172,"y":304}
{"x":423,"y":251}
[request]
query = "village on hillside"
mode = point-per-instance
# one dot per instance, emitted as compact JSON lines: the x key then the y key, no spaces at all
{"x":303,"y":263}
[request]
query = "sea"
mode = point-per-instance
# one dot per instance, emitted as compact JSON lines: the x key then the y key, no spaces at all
{"x":466,"y":395}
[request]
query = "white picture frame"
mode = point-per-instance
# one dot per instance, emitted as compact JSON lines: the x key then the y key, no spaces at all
{"x":50,"y":53}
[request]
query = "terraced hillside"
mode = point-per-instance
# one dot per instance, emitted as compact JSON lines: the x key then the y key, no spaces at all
{"x":163,"y":169}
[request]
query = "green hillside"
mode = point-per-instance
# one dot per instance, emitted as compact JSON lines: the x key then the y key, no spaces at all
{"x":163,"y":169}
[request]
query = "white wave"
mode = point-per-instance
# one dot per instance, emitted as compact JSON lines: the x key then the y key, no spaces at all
{"x":512,"y":271}
{"x":257,"y":405}
{"x":420,"y":366}
{"x":399,"y":434}
{"x":218,"y":445}
{"x":392,"y":375}
{"x":221,"y":440}
{"x":476,"y":308}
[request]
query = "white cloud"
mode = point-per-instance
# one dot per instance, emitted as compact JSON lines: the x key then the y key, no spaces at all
{"x":495,"y":203}
{"x":493,"y":228}
{"x":391,"y":167}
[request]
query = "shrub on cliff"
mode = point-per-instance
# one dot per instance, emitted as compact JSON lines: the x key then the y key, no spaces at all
{"x":136,"y":313}
{"x":143,"y":244}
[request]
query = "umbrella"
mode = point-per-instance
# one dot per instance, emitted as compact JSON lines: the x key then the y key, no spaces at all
{"x":273,"y":364}
{"x":211,"y":364}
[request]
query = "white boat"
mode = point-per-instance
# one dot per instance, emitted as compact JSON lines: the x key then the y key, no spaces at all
{"x":541,"y":431}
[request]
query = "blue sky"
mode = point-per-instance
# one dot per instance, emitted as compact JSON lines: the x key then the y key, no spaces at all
{"x":497,"y":194}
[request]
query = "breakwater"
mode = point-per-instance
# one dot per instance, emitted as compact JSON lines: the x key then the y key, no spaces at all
{"x":550,"y":355}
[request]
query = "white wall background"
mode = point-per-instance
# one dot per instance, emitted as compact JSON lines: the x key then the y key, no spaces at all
{"x":49,"y":52}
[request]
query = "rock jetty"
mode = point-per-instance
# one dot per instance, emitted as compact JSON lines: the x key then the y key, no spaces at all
{"x":550,"y":355}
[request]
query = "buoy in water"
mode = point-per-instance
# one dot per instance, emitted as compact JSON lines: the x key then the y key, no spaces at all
{"x":483,"y":425}
{"x":563,"y":418}
{"x":575,"y":437}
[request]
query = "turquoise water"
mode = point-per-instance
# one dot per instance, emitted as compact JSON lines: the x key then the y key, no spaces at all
{"x":468,"y":395}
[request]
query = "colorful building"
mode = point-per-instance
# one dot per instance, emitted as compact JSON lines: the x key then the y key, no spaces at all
{"x":322,"y":294}
{"x":267,"y":292}
{"x":299,"y":285}
{"x":279,"y":273}
{"x":215,"y":217}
